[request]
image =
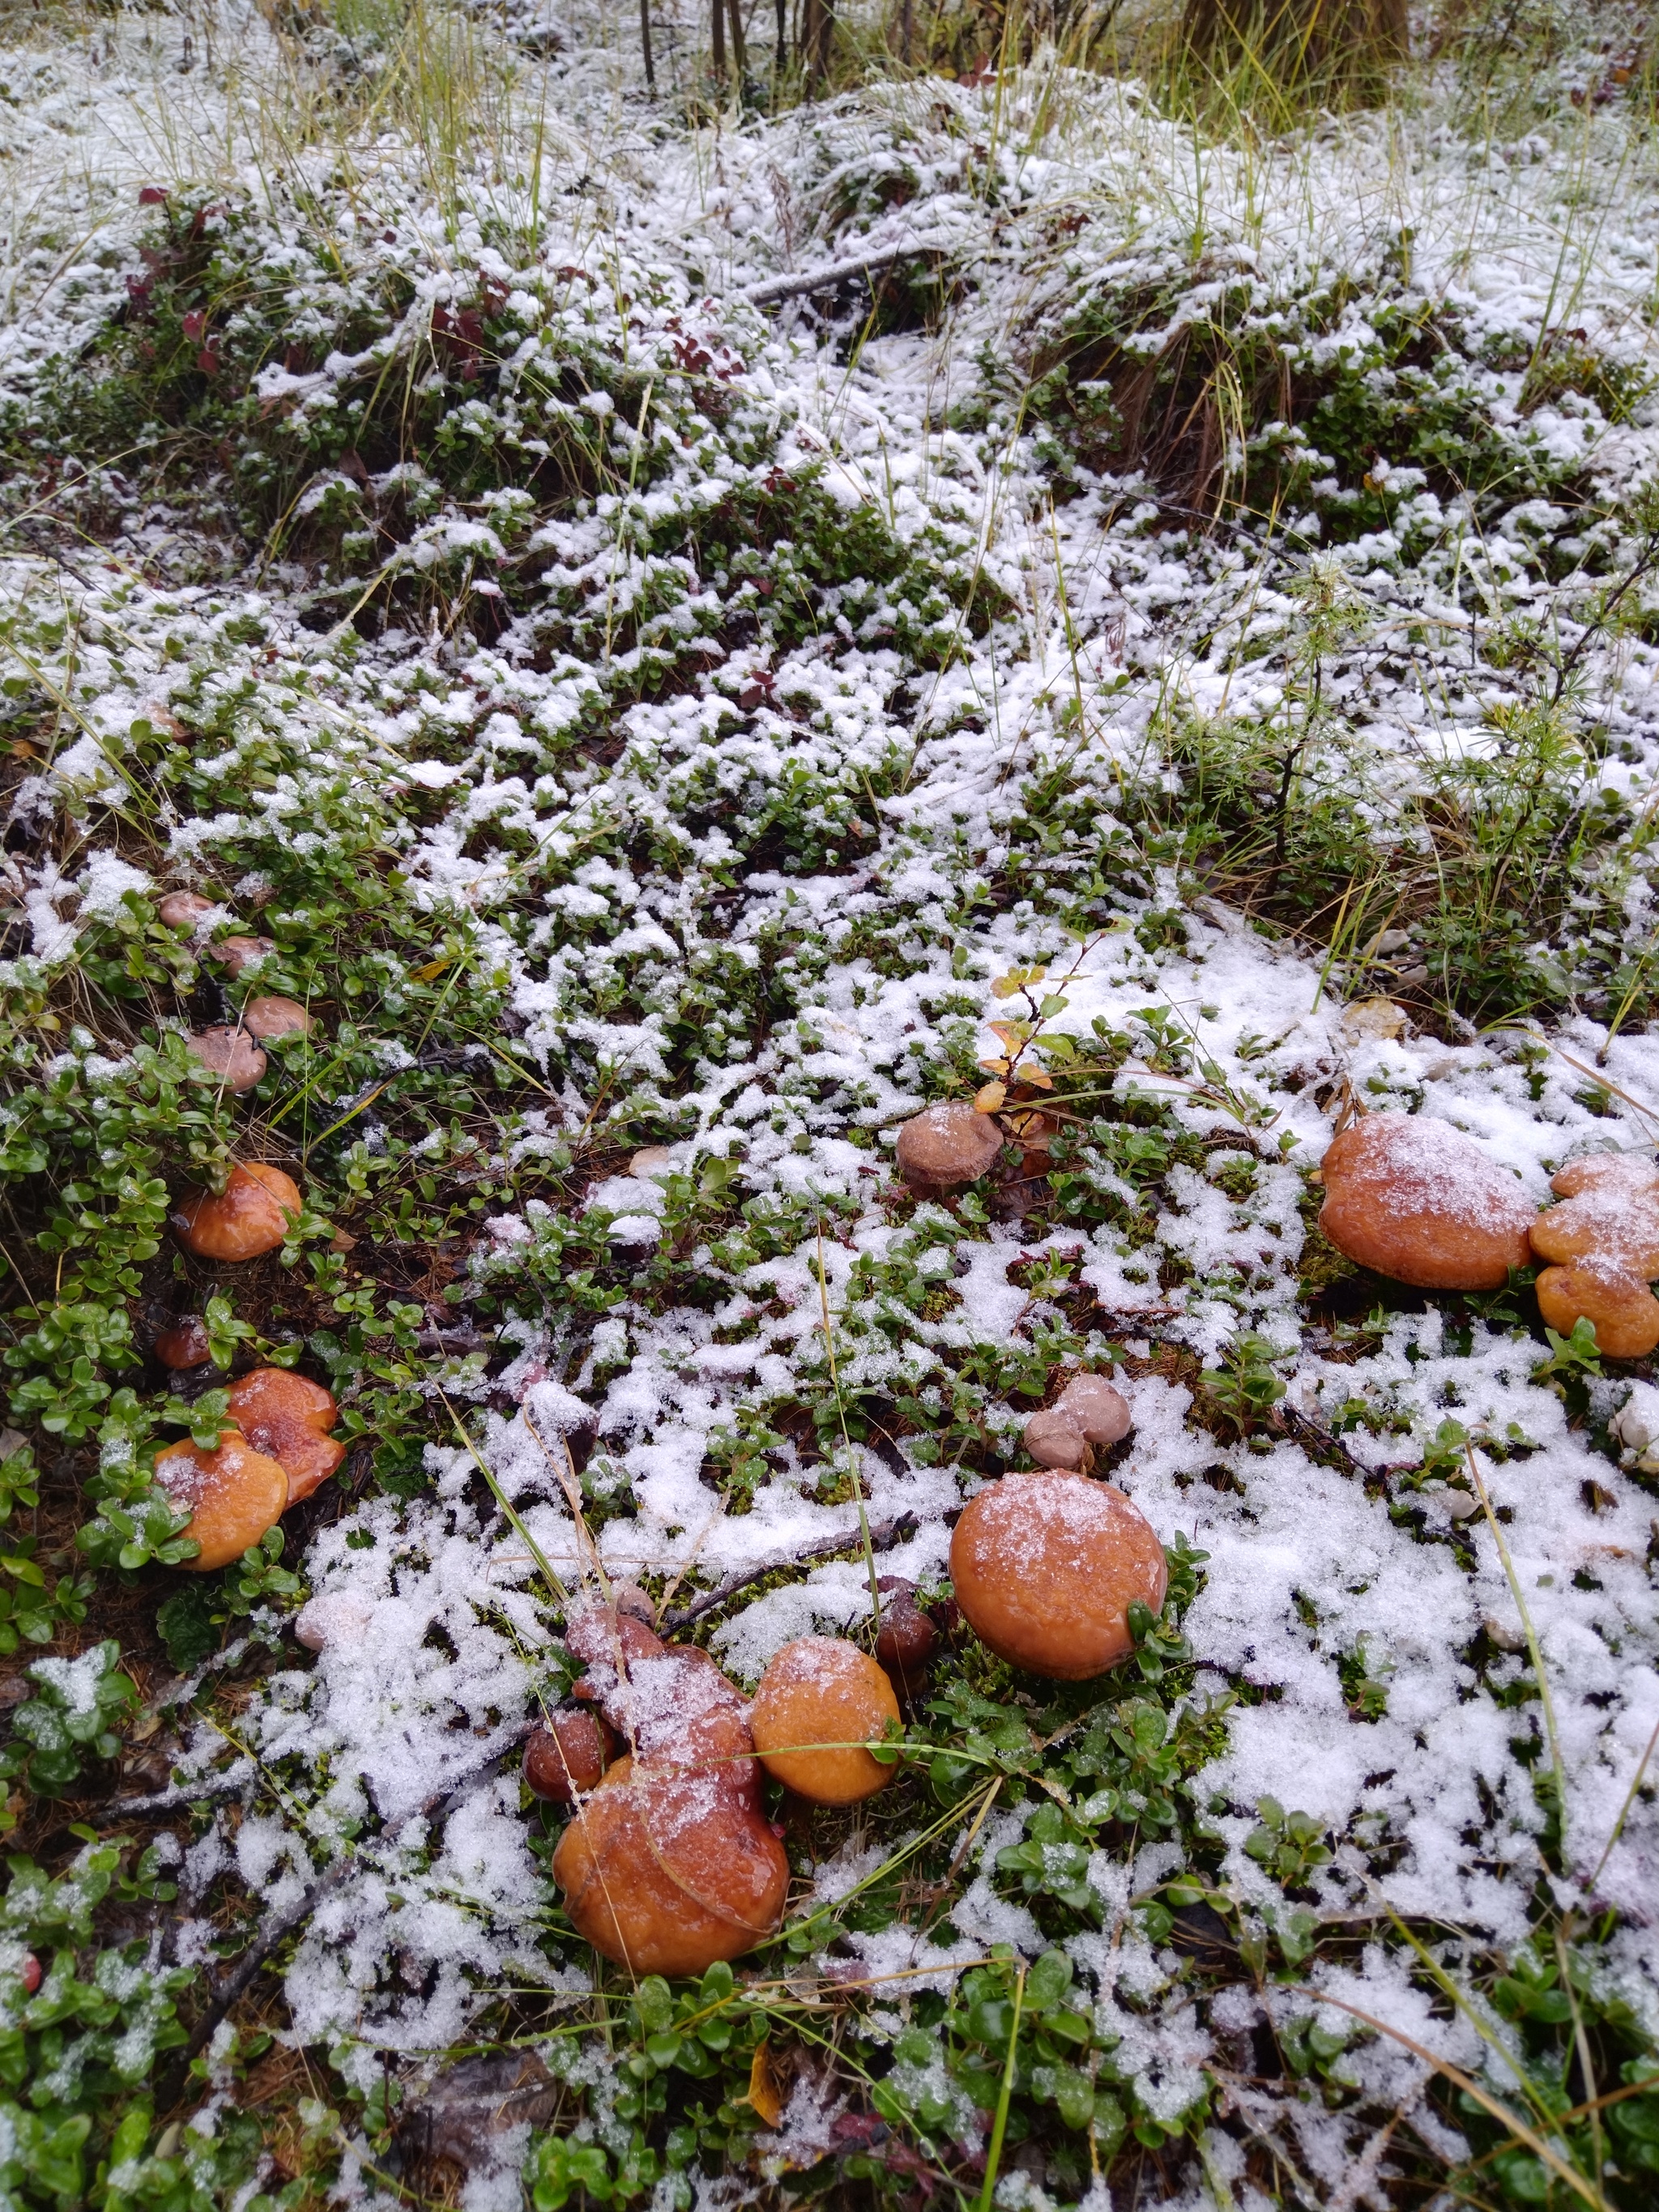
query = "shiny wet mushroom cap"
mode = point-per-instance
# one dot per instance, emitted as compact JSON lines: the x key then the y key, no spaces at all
{"x":289,"y":1417}
{"x":250,"y":1216}
{"x":819,"y":1702}
{"x":234,"y":1495}
{"x":231,"y":1054}
{"x":1045,"y":1567}
{"x":907,"y":1638}
{"x":947,"y":1146}
{"x":185,"y":1344}
{"x":1416,"y":1199}
{"x":566,"y":1756}
{"x":1097,"y":1407}
{"x":1054,"y":1439}
{"x":1635,"y":1172}
{"x":270,"y":1017}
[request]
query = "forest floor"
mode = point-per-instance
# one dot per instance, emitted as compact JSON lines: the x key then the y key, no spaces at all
{"x":668,"y":621}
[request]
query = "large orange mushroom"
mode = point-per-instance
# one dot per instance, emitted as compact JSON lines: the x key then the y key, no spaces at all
{"x":1418,"y":1201}
{"x":1046,"y":1568}
{"x":290,"y":1417}
{"x":249,"y":1217}
{"x":668,"y":1865}
{"x":235,"y":1494}
{"x":819,"y":1703}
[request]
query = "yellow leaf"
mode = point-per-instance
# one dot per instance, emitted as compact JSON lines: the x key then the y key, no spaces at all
{"x":995,"y":1067}
{"x":1036,"y":1077}
{"x":1014,"y":1033}
{"x":426,"y":973}
{"x":989,"y":1097}
{"x":1004,"y":987}
{"x":765,"y":2090}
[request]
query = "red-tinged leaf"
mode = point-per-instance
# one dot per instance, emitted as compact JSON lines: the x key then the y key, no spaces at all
{"x":208,"y":361}
{"x":751,"y":698}
{"x":196,"y":324}
{"x":151,"y":196}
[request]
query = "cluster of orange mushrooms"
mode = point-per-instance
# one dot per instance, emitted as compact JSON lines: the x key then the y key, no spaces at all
{"x":279,"y":1449}
{"x":669,"y":1862}
{"x":235,"y":1050}
{"x":1416,"y":1199}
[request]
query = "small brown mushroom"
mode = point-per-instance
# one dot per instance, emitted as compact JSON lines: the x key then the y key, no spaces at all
{"x":906,"y":1640}
{"x":288,"y":1417}
{"x":234,"y":1494}
{"x":1416,"y":1199}
{"x":1046,"y":1568}
{"x":235,"y":953}
{"x":185,"y":1344}
{"x":184,"y":909}
{"x":564,"y":1758}
{"x":1098,"y":1408}
{"x":250,"y":1215}
{"x":1634,"y":1172}
{"x":947,"y":1146}
{"x":1609,"y":1222}
{"x":270,"y":1017}
{"x":819,"y":1702}
{"x":1053,"y":1439}
{"x":1623,"y":1310}
{"x":231,"y":1054}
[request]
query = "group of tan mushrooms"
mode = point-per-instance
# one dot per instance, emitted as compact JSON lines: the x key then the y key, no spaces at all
{"x":669,"y":1862}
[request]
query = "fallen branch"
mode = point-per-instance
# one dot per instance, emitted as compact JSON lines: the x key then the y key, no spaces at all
{"x":837,"y":273}
{"x":883,"y":1535}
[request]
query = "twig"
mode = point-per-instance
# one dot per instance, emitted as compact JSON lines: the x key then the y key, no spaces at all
{"x":834,"y":273}
{"x":883,"y":1534}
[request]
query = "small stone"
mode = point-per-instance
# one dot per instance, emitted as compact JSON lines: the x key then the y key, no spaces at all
{"x":1504,"y":1637}
{"x":231,"y":1054}
{"x":1461,"y":1505}
{"x":651,"y":1160}
{"x":1377,"y":1018}
{"x":947,"y":1146}
{"x":332,"y":1617}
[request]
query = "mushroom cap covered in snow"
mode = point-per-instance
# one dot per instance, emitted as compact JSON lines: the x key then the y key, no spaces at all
{"x":947,"y":1144}
{"x":1045,"y":1567}
{"x":1416,"y":1199}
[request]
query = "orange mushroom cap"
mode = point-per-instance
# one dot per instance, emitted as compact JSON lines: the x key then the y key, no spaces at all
{"x":666,"y":1873}
{"x":1631,"y":1171}
{"x":185,"y":1344}
{"x":1622,"y":1308}
{"x":289,"y":1417}
{"x":1610,"y":1221}
{"x":250,"y":1216}
{"x":235,"y":953}
{"x":1418,"y":1201}
{"x":234,"y":1494}
{"x":820,"y":1701}
{"x":1045,"y":1567}
{"x":564,"y":1758}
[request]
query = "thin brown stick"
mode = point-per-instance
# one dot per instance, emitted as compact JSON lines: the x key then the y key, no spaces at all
{"x":883,"y":1534}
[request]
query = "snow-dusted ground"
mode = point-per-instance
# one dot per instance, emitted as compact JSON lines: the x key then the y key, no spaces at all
{"x":1113,"y":617}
